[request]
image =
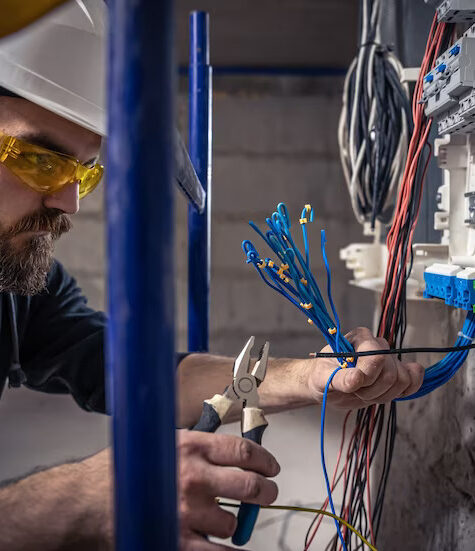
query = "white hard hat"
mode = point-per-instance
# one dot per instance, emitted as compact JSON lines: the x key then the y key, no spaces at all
{"x":58,"y":63}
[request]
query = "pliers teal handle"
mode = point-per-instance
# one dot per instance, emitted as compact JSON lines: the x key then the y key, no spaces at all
{"x":253,"y":423}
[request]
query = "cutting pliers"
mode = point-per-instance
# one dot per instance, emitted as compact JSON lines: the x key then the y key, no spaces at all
{"x":243,"y":390}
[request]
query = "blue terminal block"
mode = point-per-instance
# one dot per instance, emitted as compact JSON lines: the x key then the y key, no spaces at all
{"x":455,"y":50}
{"x":456,"y":287}
{"x":441,"y":68}
{"x":465,"y":294}
{"x":440,"y":286}
{"x":429,"y":78}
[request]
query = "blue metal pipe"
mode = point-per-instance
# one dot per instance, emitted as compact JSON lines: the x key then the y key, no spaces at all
{"x":139,"y":201}
{"x":270,"y":71}
{"x":200,"y":143}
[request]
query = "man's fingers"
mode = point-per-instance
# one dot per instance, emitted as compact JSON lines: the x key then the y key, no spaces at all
{"x":227,"y":450}
{"x":386,"y":388}
{"x":360,"y":335}
{"x":194,"y":542}
{"x":379,"y":372}
{"x":416,"y":374}
{"x":205,"y":516}
{"x":241,"y":485}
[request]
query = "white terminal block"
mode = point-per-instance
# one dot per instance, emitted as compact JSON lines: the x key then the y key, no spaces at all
{"x":456,"y":11}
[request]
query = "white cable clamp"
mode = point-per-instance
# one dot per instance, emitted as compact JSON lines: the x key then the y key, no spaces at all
{"x":460,"y":334}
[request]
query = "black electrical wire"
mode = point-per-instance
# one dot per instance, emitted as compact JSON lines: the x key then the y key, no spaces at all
{"x":375,"y":122}
{"x":394,"y":351}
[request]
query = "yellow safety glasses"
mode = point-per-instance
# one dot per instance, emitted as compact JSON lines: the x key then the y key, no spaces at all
{"x":46,"y":171}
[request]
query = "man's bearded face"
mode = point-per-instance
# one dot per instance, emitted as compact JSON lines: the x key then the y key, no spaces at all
{"x":26,"y":250}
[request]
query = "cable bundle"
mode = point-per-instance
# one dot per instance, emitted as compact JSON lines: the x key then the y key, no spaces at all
{"x":374,"y":427}
{"x":441,"y":372}
{"x":392,"y":325}
{"x":374,"y":123}
{"x":294,"y":279}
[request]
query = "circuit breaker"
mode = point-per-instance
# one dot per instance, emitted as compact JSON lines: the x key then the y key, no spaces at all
{"x":454,"y":11}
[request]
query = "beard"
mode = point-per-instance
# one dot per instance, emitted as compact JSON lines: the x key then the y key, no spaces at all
{"x":24,"y":267}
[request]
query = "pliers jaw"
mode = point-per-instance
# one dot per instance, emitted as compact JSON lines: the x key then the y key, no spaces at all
{"x":260,"y":368}
{"x":245,"y":382}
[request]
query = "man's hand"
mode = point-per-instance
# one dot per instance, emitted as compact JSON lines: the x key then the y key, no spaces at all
{"x":205,"y":472}
{"x":374,"y":380}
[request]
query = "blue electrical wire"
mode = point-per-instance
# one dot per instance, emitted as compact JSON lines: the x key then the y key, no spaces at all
{"x":329,"y":287}
{"x":294,"y":279}
{"x":322,"y":453}
{"x":442,"y":371}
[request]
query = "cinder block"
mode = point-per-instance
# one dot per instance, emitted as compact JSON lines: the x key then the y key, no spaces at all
{"x":255,"y":186}
{"x":245,"y":304}
{"x":296,"y":125}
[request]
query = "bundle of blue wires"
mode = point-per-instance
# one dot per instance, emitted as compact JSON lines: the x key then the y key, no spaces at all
{"x":291,"y":276}
{"x":438,"y":374}
{"x":294,"y":280}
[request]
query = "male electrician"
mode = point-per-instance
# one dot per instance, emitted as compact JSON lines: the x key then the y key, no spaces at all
{"x":51,"y":124}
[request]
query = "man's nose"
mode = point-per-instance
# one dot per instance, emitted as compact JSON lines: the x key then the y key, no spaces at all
{"x":67,"y":199}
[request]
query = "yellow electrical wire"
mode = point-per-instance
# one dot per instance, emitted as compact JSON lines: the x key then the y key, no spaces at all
{"x":307,"y":510}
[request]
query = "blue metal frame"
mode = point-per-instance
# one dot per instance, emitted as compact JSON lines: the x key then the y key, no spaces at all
{"x":139,"y":200}
{"x":199,"y":225}
{"x":273,"y":71}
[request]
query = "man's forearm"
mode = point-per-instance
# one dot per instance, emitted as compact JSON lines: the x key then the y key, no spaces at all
{"x":66,"y":508}
{"x":200,"y":376}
